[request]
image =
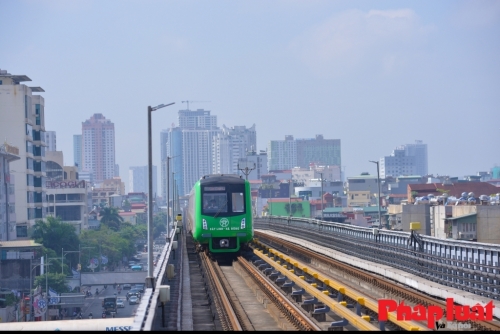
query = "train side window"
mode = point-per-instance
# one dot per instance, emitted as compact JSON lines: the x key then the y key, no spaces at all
{"x":238,"y":202}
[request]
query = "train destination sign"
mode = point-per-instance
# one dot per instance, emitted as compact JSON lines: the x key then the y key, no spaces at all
{"x":215,"y":188}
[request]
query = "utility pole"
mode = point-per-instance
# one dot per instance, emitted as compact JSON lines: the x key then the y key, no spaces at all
{"x":378,"y":182}
{"x":321,"y":196}
{"x":246,"y":170}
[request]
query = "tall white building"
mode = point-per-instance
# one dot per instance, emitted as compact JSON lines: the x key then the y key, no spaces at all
{"x":8,"y":154}
{"x":190,"y":146}
{"x":282,"y":154}
{"x":50,"y":140}
{"x":138,"y":180}
{"x":405,"y":160}
{"x":98,"y":147}
{"x":22,"y":124}
{"x":163,"y":150}
{"x":230,"y":146}
{"x":196,"y":157}
{"x":197,"y":119}
{"x":77,"y":151}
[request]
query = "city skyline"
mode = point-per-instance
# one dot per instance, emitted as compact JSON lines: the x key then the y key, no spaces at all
{"x":373,"y":74}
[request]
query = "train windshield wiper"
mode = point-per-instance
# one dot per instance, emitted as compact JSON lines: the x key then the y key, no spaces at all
{"x":217,"y":213}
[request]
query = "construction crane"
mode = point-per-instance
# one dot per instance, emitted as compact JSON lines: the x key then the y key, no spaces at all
{"x":192,"y":102}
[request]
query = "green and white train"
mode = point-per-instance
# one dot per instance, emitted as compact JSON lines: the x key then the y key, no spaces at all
{"x":219,"y":213}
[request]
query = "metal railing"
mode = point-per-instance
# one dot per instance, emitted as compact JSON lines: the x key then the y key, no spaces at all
{"x":146,"y":310}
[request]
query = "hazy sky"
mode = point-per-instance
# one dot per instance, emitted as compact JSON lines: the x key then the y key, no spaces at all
{"x":375,"y":74}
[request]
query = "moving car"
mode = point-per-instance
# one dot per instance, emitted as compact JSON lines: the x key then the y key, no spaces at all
{"x":127,"y":286}
{"x":134,"y":292}
{"x":133,"y":300}
{"x":139,"y":287}
{"x":136,"y":268}
{"x":120,"y":303}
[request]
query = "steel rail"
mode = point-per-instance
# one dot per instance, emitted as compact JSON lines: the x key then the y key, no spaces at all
{"x":243,"y":320}
{"x":228,"y":311}
{"x":351,"y":293}
{"x":353,"y":318}
{"x":292,"y":313}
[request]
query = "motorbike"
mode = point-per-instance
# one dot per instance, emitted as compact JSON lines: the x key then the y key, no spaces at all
{"x":104,"y":314}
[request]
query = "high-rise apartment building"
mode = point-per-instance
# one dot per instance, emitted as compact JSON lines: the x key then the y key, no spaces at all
{"x":282,"y":154}
{"x":405,"y":160}
{"x":22,"y":124}
{"x":77,"y":151}
{"x":190,"y":147}
{"x":163,"y":152}
{"x":320,"y":151}
{"x":8,"y":154}
{"x":230,"y":146}
{"x":98,"y":147}
{"x":290,"y":153}
{"x":197,"y":119}
{"x":50,"y":140}
{"x":138,"y":180}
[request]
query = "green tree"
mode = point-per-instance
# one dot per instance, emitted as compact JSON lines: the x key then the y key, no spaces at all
{"x":111,"y":218}
{"x":56,"y":281}
{"x":55,"y":235}
{"x":159,"y":224}
{"x":299,"y":207}
{"x":112,"y":244}
{"x":127,"y":206}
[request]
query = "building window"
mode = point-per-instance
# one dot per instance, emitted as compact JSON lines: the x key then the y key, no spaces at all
{"x":22,"y":231}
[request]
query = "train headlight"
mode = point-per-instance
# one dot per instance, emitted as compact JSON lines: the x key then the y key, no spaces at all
{"x":243,"y":224}
{"x":205,"y":227}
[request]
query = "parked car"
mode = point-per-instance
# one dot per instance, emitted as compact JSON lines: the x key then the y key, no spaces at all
{"x":127,"y":286}
{"x":133,"y":300}
{"x":120,"y":303}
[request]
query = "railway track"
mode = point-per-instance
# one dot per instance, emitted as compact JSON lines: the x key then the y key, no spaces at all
{"x":388,"y":287}
{"x":232,"y":313}
{"x":216,"y":306}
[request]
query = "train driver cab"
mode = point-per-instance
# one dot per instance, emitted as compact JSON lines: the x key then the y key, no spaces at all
{"x":222,"y":201}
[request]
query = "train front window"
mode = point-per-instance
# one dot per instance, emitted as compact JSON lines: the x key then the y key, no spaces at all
{"x":214,"y":203}
{"x":238,"y":202}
